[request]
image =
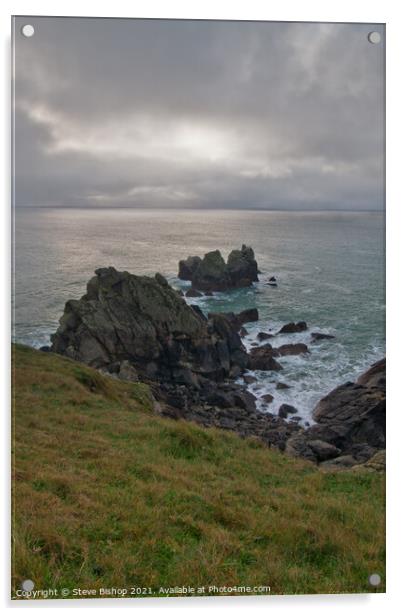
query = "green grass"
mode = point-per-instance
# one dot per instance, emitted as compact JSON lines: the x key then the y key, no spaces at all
{"x":107,"y":493}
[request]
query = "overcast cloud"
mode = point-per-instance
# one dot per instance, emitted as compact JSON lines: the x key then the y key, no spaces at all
{"x":198,"y":114}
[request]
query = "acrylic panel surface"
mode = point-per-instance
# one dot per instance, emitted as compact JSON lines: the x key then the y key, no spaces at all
{"x":218,"y":428}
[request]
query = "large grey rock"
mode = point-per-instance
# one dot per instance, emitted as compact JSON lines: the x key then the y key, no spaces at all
{"x":264,"y":336}
{"x":316,"y":336}
{"x":293,"y":328}
{"x":323,"y":451}
{"x":375,"y":376}
{"x":292,"y":349}
{"x":268,"y":398}
{"x":262,"y":358}
{"x":286,"y":409}
{"x":247,"y":316}
{"x":237,"y":320}
{"x":339,"y":463}
{"x":193,"y":293}
{"x":350,"y":419}
{"x":375,"y":463}
{"x":245,"y":400}
{"x":297,"y":446}
{"x":143,"y":321}
{"x":315,"y":450}
{"x":354,"y":414}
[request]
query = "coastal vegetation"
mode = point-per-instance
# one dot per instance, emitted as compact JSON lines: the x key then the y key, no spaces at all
{"x":106,"y":492}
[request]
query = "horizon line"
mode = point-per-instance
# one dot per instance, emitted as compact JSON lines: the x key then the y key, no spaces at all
{"x":231,"y":208}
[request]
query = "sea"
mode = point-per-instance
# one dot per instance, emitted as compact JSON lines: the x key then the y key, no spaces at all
{"x":329,"y":266}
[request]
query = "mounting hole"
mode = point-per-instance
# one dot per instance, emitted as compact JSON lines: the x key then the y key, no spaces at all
{"x":374,"y":37}
{"x":28,"y":585}
{"x":374,"y":579}
{"x":28,"y":30}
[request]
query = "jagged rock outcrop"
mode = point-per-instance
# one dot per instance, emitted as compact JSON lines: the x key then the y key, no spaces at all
{"x":232,"y":412}
{"x":263,"y":357}
{"x":292,"y":349}
{"x":293,"y":328}
{"x":316,"y":336}
{"x":193,"y":293}
{"x":239,"y":319}
{"x":264,"y":336}
{"x":351,"y":418}
{"x":286,"y":409}
{"x":142,"y":320}
{"x":212,"y":273}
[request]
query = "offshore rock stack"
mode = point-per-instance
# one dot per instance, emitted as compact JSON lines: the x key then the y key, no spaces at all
{"x":212,"y":273}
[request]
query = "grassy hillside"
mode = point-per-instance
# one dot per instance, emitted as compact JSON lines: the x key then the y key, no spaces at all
{"x":107,"y":493}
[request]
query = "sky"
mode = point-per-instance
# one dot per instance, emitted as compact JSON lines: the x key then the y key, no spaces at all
{"x":160,"y":113}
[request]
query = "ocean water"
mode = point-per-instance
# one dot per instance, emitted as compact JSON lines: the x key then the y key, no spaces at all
{"x":329,"y":267}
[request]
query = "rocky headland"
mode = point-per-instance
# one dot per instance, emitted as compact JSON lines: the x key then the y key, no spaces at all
{"x":140,"y":328}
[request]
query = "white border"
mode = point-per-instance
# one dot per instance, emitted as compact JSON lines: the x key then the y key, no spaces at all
{"x":286,"y":10}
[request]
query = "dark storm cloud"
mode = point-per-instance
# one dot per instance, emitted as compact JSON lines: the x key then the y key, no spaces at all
{"x":179,"y":113}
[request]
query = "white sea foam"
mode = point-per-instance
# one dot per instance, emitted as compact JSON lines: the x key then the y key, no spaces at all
{"x":310,"y":376}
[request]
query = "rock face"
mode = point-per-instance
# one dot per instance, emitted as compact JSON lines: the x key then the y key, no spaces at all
{"x":212,"y":273}
{"x":350,"y":418}
{"x":142,"y":320}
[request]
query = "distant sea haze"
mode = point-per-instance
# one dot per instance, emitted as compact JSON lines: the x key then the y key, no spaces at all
{"x":329,"y":266}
